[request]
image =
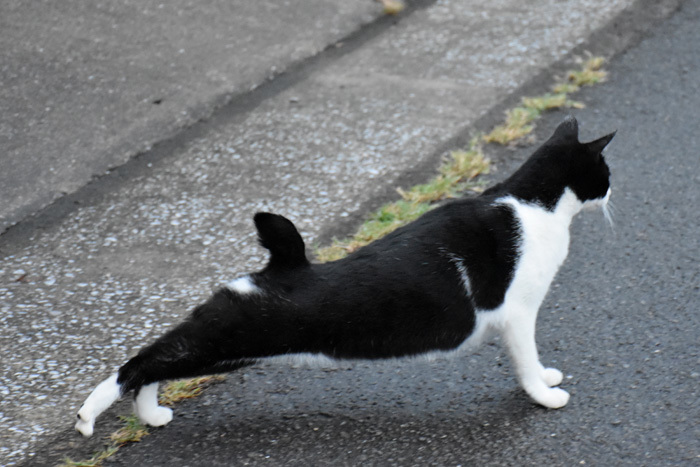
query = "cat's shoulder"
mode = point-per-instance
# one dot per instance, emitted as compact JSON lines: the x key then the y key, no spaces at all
{"x":471,"y":218}
{"x":474,"y":208}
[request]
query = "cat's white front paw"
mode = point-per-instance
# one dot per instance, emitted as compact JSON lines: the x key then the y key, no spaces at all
{"x":552,"y":398}
{"x":552,"y":377}
{"x":157,"y":416}
{"x":86,"y":422}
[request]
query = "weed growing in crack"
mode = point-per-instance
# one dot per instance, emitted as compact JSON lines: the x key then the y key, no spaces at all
{"x":519,"y":120}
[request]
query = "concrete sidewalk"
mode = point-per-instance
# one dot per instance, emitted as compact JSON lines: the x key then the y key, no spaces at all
{"x":85,"y":86}
{"x":137,"y":248}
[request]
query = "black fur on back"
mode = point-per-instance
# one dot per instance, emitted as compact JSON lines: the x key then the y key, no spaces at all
{"x":401,"y":295}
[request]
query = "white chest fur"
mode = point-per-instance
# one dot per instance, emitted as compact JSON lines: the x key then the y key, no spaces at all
{"x":543,"y":248}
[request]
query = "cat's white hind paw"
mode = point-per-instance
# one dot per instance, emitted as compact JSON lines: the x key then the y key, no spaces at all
{"x":552,"y":398}
{"x":157,"y":416}
{"x":552,"y":377}
{"x":86,"y":423}
{"x":97,"y":402}
{"x":147,"y":408}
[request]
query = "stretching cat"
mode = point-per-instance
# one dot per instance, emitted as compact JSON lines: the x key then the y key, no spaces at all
{"x":439,"y":284}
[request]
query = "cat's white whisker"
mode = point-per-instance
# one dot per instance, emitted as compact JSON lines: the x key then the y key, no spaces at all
{"x":608,"y":214}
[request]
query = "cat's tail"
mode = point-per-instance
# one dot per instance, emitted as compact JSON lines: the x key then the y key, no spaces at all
{"x":278,"y":234}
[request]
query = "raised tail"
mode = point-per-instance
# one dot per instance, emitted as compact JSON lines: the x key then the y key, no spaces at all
{"x":278,"y":234}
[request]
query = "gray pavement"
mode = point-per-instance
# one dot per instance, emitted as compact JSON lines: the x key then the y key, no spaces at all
{"x":133,"y":251}
{"x":84,"y":86}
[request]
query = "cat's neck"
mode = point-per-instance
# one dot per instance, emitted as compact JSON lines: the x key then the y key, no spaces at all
{"x":564,"y":209}
{"x":568,"y":205}
{"x":534,"y":184}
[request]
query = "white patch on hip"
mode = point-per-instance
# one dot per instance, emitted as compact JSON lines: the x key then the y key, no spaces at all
{"x":243,"y":285}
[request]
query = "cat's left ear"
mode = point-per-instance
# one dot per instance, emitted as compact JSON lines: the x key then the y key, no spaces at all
{"x":567,"y":130}
{"x":597,"y":146}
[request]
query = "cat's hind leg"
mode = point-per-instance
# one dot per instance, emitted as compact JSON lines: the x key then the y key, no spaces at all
{"x":104,"y":395}
{"x":536,"y":380}
{"x":147,"y":409}
{"x":179,"y":354}
{"x":217,"y":337}
{"x":108,"y":391}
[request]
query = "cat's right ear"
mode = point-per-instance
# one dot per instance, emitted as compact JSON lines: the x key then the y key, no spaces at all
{"x":567,"y":130}
{"x":597,"y":146}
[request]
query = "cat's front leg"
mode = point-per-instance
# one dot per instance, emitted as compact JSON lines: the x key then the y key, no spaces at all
{"x":551,"y":376}
{"x":536,"y":380}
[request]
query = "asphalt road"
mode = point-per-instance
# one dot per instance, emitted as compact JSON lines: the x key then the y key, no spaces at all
{"x":621,"y":321}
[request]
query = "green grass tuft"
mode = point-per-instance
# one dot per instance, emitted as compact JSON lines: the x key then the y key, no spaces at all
{"x":565,"y":88}
{"x":383,"y":221}
{"x":455,"y":175}
{"x":516,"y":126}
{"x":591,"y":73}
{"x":466,"y":164}
{"x":546,"y":102}
{"x":132,"y":431}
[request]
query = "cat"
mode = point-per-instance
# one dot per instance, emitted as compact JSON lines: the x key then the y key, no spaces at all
{"x":437,"y":285}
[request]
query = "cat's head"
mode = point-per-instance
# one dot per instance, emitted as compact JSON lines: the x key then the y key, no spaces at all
{"x":582,"y":166}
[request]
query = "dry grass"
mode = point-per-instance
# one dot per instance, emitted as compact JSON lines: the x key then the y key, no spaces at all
{"x":590,"y":73}
{"x":520,"y":120}
{"x":94,"y":461}
{"x":392,"y":7}
{"x":132,"y":431}
{"x":516,"y":126}
{"x":177,"y":391}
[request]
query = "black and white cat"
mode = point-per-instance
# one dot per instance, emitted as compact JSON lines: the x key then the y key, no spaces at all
{"x":436,"y":285}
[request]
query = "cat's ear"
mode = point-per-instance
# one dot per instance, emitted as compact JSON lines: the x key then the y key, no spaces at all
{"x":597,"y":146}
{"x":567,"y":130}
